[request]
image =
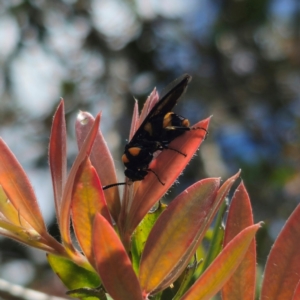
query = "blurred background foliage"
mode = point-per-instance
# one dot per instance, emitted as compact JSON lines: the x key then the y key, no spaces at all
{"x":244,"y":56}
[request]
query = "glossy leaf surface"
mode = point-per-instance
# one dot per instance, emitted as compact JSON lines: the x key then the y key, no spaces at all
{"x":282,"y":274}
{"x":242,"y":284}
{"x":223,"y":266}
{"x":113,"y":263}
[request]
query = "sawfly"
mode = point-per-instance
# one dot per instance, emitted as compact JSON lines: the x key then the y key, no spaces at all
{"x":160,"y":127}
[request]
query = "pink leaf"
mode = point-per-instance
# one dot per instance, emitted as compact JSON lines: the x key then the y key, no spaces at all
{"x":67,"y":194}
{"x":57,"y":155}
{"x":102,"y":161}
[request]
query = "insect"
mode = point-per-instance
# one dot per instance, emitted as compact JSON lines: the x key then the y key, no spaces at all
{"x":160,"y":127}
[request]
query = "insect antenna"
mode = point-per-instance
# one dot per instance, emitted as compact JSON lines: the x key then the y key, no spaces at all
{"x":113,"y":184}
{"x":188,"y":128}
{"x":206,"y":131}
{"x":176,"y":151}
{"x":149,"y":170}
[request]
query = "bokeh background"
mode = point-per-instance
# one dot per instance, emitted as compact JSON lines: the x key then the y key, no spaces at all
{"x":244,"y":56}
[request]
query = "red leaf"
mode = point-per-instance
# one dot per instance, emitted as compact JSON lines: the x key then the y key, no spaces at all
{"x":19,"y":190}
{"x":242,"y":284}
{"x":178,"y":229}
{"x":113,"y":264}
{"x":134,"y":120}
{"x":135,"y":123}
{"x":87,"y":200}
{"x":67,"y":194}
{"x":212,"y":280}
{"x":101,"y":159}
{"x":57,"y":155}
{"x":296,"y":295}
{"x":152,"y":99}
{"x":211,"y":210}
{"x":282,"y":269}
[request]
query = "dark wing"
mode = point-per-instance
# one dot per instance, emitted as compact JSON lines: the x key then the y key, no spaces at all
{"x":168,"y":99}
{"x":170,"y":95}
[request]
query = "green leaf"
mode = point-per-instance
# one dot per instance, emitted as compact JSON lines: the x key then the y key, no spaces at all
{"x":186,"y":279}
{"x":73,"y":276}
{"x":216,"y":239}
{"x":141,"y":234}
{"x":88,"y":294}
